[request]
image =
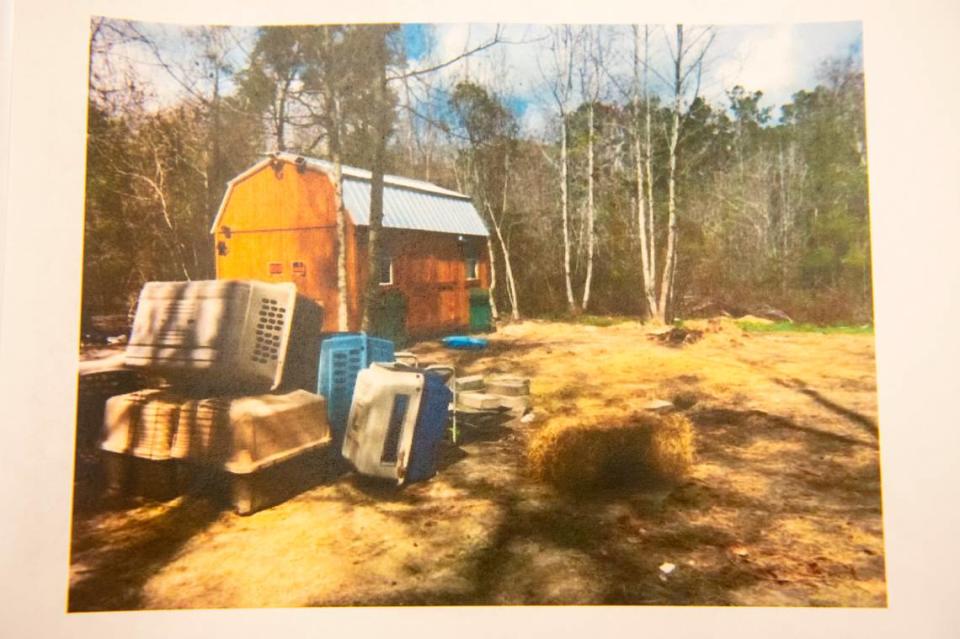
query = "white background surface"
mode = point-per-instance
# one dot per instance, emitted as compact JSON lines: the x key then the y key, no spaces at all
{"x":910,"y":54}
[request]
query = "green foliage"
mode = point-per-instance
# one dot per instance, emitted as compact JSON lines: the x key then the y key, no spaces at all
{"x":482,"y":116}
{"x":769,"y":213}
{"x":586,"y":319}
{"x":294,"y":72}
{"x":790,"y":327}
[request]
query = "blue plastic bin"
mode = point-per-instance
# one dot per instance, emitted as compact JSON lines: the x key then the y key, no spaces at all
{"x":431,"y":422}
{"x":342,"y":357}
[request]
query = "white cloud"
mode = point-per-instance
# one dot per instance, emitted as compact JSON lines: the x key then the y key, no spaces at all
{"x":761,"y":58}
{"x":777,"y":59}
{"x":536,"y":121}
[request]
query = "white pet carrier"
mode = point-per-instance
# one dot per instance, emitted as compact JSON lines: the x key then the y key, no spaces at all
{"x":383,"y":416}
{"x":227,"y":334}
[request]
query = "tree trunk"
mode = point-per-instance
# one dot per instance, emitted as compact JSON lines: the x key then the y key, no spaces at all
{"x":511,"y":287}
{"x":380,"y":133}
{"x":648,"y":166}
{"x":644,"y":230}
{"x":508,"y":265}
{"x":784,"y":220}
{"x":342,"y":317}
{"x":493,"y":279}
{"x":281,"y":118}
{"x":590,"y":208}
{"x":214,"y":170}
{"x":511,"y":283}
{"x":669,"y":267}
{"x":564,"y":209}
{"x":332,"y":99}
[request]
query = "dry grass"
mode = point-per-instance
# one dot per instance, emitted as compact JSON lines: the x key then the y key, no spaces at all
{"x":781,"y":506}
{"x":583,"y":455}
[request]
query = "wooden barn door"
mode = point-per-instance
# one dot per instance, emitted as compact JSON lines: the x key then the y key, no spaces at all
{"x":448,"y":290}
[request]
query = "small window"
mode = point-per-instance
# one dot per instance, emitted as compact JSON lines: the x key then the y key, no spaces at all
{"x":386,"y":271}
{"x":299,"y":268}
{"x":275,"y":268}
{"x":472,"y":269}
{"x":471,"y":259}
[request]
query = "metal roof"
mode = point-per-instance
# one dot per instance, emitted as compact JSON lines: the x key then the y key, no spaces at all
{"x":407,"y":203}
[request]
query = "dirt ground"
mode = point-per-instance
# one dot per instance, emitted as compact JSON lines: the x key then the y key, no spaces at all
{"x":782,"y":508}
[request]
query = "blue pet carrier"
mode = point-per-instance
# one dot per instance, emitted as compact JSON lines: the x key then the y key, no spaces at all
{"x":342,"y":357}
{"x":397,"y":422}
{"x":430,"y":426}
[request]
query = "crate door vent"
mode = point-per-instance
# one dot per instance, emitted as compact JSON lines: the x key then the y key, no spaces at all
{"x":269,"y":331}
{"x":392,"y":441}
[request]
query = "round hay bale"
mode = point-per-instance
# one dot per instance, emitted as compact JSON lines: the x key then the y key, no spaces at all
{"x":643,"y":448}
{"x":670,"y":454}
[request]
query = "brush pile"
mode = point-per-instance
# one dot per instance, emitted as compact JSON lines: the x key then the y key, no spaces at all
{"x":641,"y":449}
{"x":676,"y":335}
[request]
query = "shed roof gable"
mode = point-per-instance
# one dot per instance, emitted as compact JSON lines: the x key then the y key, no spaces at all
{"x":407,"y":203}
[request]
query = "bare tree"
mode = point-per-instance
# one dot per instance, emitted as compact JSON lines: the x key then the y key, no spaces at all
{"x":331,"y":89}
{"x":504,"y":247}
{"x":590,"y":86}
{"x":643,"y":163}
{"x":493,"y":280}
{"x":563,"y":46}
{"x":509,"y":134}
{"x":490,"y":129}
{"x":383,"y":116}
{"x":684,"y":70}
{"x":383,"y":120}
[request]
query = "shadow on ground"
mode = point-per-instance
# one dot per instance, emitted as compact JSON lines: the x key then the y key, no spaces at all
{"x":119,"y":571}
{"x":782,"y":508}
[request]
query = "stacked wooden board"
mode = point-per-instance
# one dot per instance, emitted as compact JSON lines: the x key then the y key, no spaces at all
{"x":479,"y":393}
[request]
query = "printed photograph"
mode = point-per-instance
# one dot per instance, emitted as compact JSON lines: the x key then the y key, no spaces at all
{"x":476,"y":314}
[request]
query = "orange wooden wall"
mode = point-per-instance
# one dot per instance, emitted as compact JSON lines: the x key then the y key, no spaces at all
{"x":281,"y":217}
{"x":430,"y":270}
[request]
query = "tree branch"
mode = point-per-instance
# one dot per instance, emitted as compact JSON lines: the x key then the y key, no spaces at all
{"x":418,"y":72}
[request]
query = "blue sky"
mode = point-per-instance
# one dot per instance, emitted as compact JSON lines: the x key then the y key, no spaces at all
{"x":415,"y":40}
{"x":776,"y":59}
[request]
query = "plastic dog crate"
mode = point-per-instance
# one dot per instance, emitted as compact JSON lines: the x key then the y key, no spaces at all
{"x":271,"y":485}
{"x":96,"y":384}
{"x":276,"y":446}
{"x":239,"y":436}
{"x":230,"y":335}
{"x":141,"y":424}
{"x":127,"y":475}
{"x":138,"y":430}
{"x":342,"y":357}
{"x":396,"y":422}
{"x":203,"y":433}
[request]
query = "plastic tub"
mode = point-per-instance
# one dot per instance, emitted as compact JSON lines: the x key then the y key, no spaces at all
{"x":465,"y":342}
{"x":342,"y":357}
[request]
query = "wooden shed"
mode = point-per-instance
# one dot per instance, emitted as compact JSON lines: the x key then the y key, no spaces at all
{"x":277,"y":223}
